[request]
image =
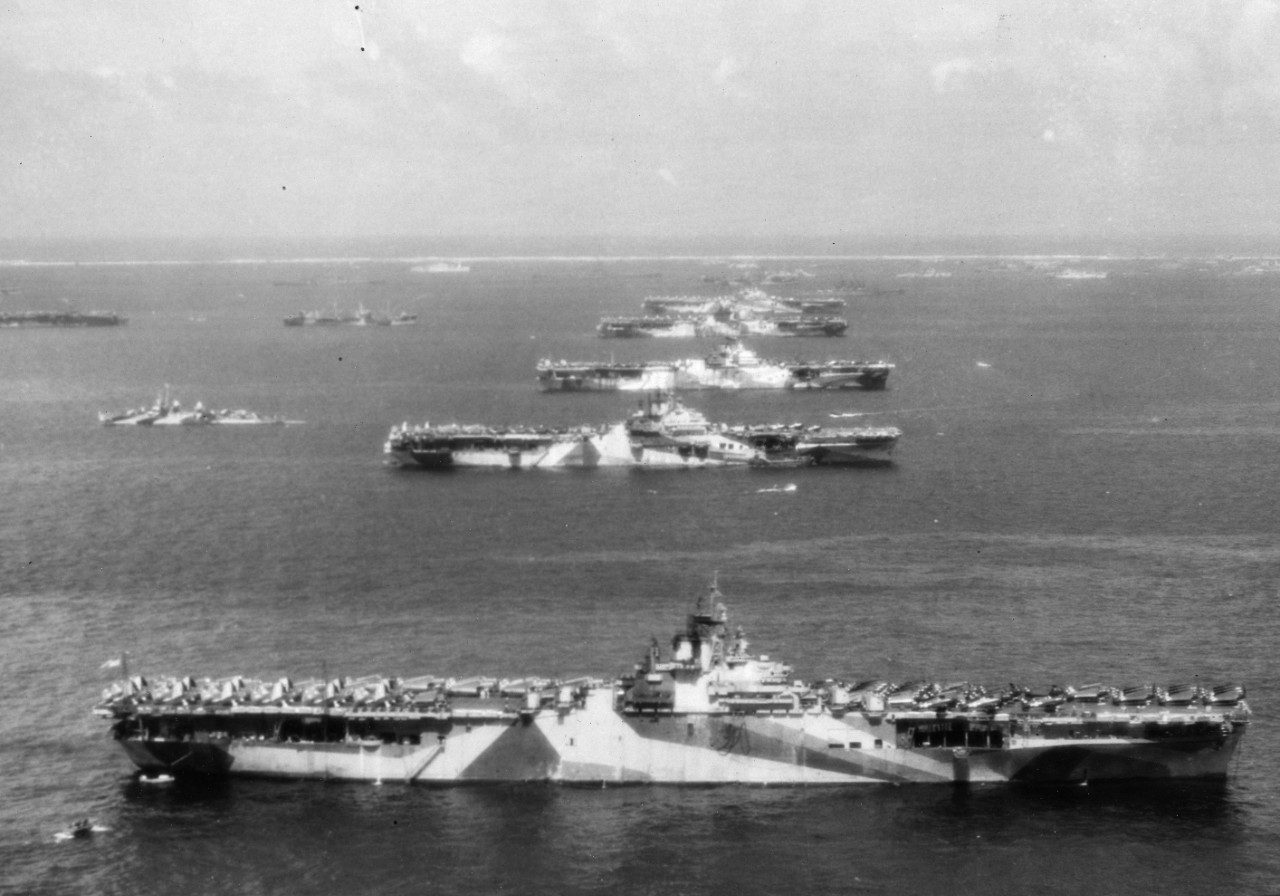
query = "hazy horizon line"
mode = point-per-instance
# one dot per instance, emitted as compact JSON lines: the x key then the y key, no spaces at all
{"x":33,"y":251}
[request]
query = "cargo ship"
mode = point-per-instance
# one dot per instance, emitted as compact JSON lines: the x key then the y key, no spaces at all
{"x":61,"y":319}
{"x":731,"y":366}
{"x":662,"y":433}
{"x":707,"y":712}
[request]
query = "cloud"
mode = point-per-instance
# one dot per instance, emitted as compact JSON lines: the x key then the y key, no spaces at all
{"x":727,"y":68}
{"x":950,"y":74}
{"x":790,"y":113}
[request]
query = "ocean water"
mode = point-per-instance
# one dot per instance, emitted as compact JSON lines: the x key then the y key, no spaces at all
{"x":1086,"y":489}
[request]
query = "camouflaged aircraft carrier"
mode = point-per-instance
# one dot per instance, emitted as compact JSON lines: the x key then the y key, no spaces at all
{"x":707,"y":712}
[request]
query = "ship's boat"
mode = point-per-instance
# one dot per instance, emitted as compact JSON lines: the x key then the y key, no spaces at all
{"x":707,"y":712}
{"x":662,"y":432}
{"x":80,"y":829}
{"x":731,"y":366}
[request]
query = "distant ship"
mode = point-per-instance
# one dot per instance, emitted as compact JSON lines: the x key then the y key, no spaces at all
{"x":61,"y":319}
{"x":708,"y":712}
{"x":731,"y":366}
{"x":749,"y":312}
{"x":165,"y":411}
{"x":809,"y":326}
{"x":714,"y":325}
{"x":361,"y":317}
{"x":648,"y":326}
{"x":663,"y":433}
{"x":747,"y":302}
{"x":442,"y":267}
{"x":1080,"y":274}
{"x":926,"y":274}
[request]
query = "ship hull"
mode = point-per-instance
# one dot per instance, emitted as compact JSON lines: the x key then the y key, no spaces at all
{"x":596,"y":743}
{"x":869,"y":453}
{"x":61,"y":319}
{"x":860,"y":376}
{"x":613,"y":448}
{"x":606,"y":379}
{"x":581,"y":452}
{"x":619,"y":446}
{"x":695,"y":377}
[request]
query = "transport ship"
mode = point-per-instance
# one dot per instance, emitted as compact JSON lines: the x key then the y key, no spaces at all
{"x":662,"y":433}
{"x":731,"y":366}
{"x":707,"y":712}
{"x":61,"y":319}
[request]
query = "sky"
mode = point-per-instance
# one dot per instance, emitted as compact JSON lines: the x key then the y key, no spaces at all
{"x":635,"y":121}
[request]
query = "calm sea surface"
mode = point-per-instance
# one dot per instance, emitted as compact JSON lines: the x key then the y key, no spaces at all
{"x":1086,"y":489}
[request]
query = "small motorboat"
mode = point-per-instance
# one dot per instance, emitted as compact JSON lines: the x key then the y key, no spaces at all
{"x":80,"y":829}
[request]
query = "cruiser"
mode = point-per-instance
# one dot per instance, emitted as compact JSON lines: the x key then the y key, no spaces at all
{"x":708,"y":712}
{"x":661,"y":433}
{"x":167,"y":411}
{"x":731,"y":366}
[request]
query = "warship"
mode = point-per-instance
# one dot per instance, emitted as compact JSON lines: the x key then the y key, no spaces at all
{"x":61,"y":319}
{"x":168,"y":411}
{"x":661,"y":433}
{"x":649,"y":326}
{"x":707,"y":712}
{"x":746,"y":303}
{"x":360,"y":317}
{"x":749,"y":312}
{"x":684,"y":326}
{"x":731,"y":366}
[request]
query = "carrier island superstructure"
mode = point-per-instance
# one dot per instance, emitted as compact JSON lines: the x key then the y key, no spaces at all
{"x":706,"y":712}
